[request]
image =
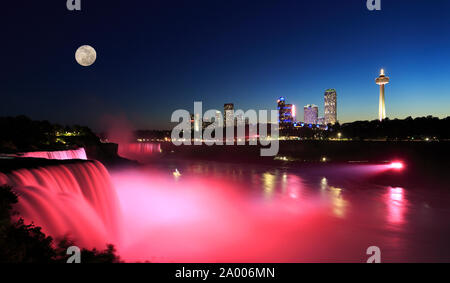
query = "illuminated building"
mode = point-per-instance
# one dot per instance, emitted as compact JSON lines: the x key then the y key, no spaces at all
{"x":330,"y":110}
{"x":197,"y":122}
{"x":281,"y":109}
{"x":218,"y":118}
{"x":240,"y":119}
{"x":321,"y":121}
{"x":192,"y":120}
{"x":311,"y":114}
{"x":294,"y":113}
{"x":381,"y":81}
{"x":286,"y":112}
{"x":228,"y":114}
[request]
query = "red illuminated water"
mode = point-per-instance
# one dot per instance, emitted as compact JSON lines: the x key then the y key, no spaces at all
{"x":74,"y":200}
{"x":139,"y":150}
{"x":60,"y":155}
{"x":235,"y":213}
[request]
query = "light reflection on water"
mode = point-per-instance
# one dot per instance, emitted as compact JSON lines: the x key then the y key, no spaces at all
{"x":396,"y":204}
{"x":279,"y":183}
{"x":315,"y":214}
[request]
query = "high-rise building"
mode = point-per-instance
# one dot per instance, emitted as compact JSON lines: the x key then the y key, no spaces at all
{"x":294,"y":113}
{"x":330,"y":110}
{"x":239,"y":119}
{"x":381,"y":81}
{"x":228,"y":114}
{"x":321,"y":121}
{"x":196,"y":122}
{"x":281,"y":103}
{"x":311,"y":114}
{"x":218,"y":119}
{"x":286,"y":112}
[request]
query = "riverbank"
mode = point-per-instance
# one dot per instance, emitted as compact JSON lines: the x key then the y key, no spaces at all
{"x":315,"y":151}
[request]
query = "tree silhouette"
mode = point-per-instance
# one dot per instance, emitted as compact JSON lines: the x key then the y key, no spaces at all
{"x":21,"y":243}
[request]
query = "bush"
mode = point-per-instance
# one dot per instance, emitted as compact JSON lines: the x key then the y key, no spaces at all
{"x":21,"y":243}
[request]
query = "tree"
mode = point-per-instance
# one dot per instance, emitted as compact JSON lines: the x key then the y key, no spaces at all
{"x":21,"y":243}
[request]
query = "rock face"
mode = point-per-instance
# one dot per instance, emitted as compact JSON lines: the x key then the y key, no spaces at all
{"x":102,"y":151}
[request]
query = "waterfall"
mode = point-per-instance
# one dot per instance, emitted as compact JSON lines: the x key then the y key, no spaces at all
{"x":139,"y":148}
{"x":75,"y":200}
{"x":61,"y":155}
{"x":140,"y":151}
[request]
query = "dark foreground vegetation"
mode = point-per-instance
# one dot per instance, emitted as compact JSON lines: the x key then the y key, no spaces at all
{"x":23,"y":134}
{"x":21,"y":243}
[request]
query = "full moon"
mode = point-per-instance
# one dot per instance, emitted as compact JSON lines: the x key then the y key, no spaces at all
{"x":85,"y":55}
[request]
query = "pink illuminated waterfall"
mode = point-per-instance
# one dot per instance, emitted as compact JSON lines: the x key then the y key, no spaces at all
{"x":60,"y":155}
{"x":139,"y":151}
{"x":75,"y":200}
{"x":139,"y":148}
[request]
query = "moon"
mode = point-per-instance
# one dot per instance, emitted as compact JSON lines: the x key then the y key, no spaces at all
{"x":85,"y":55}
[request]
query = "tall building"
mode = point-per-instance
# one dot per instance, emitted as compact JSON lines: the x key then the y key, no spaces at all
{"x":311,"y":114}
{"x":196,"y":122}
{"x":286,"y":112}
{"x":381,"y":81}
{"x":228,"y":113}
{"x":289,"y":114}
{"x":218,"y":118}
{"x":240,"y":119}
{"x":294,"y":113}
{"x":330,"y":110}
{"x":321,"y":121}
{"x":281,"y":109}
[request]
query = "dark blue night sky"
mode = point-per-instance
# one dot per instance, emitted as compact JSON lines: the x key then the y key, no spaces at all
{"x":158,"y":56}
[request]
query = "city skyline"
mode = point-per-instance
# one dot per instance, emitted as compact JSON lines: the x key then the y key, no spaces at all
{"x":169,"y":56}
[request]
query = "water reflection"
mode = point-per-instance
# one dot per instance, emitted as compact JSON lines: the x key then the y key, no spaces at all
{"x":396,"y":205}
{"x":284,"y":182}
{"x":324,"y":184}
{"x":294,"y":185}
{"x":334,"y":195}
{"x":269,"y":182}
{"x":232,"y":205}
{"x":278,"y":184}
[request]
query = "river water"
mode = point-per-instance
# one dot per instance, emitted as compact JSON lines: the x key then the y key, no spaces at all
{"x":200,"y":211}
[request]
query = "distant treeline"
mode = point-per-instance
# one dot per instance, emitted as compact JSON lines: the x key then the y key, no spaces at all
{"x":23,"y":134}
{"x":423,"y":128}
{"x":151,"y":134}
